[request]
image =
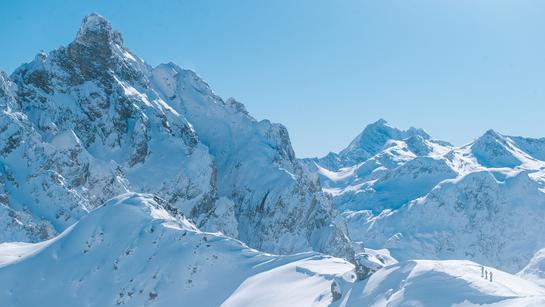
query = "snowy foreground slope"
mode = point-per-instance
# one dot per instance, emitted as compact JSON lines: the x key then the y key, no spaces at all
{"x":134,"y":251}
{"x":442,"y":283}
{"x":425,"y":199}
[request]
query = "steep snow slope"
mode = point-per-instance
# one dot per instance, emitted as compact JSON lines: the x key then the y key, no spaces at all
{"x":89,"y":121}
{"x":133,"y":251}
{"x":423,"y":198}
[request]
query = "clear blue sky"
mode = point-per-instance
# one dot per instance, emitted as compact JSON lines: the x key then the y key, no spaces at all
{"x":325,"y":69}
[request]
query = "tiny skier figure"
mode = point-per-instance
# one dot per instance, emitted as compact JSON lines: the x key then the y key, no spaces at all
{"x":490,"y":276}
{"x":482,"y":271}
{"x":485,"y":274}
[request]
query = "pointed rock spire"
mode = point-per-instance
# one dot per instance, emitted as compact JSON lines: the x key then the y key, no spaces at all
{"x":95,"y":29}
{"x":98,"y":49}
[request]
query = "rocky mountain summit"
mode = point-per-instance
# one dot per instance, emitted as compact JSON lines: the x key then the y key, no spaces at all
{"x":90,"y":121}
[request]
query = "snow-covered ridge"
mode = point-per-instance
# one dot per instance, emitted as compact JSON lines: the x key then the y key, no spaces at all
{"x":424,"y":198}
{"x":137,"y":251}
{"x":133,"y":251}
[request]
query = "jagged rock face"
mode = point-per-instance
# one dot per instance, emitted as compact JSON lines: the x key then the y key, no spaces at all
{"x":92,"y":120}
{"x":22,"y":152}
{"x":93,"y":53}
{"x":103,"y":131}
{"x":256,"y":169}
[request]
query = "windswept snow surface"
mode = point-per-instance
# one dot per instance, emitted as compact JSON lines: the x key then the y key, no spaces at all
{"x":441,"y":283}
{"x":300,"y":283}
{"x":11,"y":252}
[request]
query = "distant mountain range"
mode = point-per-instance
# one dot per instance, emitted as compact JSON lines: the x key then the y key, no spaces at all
{"x":423,"y":198}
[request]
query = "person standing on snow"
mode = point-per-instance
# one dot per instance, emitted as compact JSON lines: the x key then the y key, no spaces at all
{"x":482,"y":271}
{"x":490,"y":276}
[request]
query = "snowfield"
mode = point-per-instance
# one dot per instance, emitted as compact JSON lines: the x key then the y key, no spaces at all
{"x":134,"y":252}
{"x":442,"y":283}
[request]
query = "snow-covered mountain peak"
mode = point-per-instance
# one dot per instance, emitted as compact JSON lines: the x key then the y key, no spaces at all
{"x":414,"y":186}
{"x":491,"y":133}
{"x":102,"y":122}
{"x":373,"y":138}
{"x":95,"y":29}
{"x":493,"y":149}
{"x":381,"y":126}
